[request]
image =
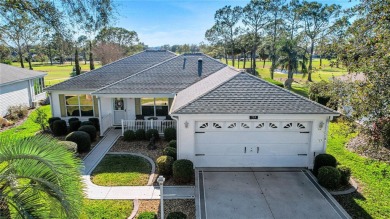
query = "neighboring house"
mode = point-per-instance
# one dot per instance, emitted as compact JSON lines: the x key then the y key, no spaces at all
{"x":19,"y":86}
{"x":223,"y":117}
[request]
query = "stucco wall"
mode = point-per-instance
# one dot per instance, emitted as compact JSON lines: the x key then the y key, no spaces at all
{"x":186,"y":136}
{"x":14,"y":94}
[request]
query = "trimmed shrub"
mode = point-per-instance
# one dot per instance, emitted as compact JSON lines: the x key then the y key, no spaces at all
{"x":152,"y":132}
{"x":51,"y":120}
{"x":170,"y":151}
{"x":71,"y":146}
{"x":86,"y":123}
{"x":177,"y":215}
{"x":95,"y":122}
{"x":170,"y":134}
{"x":73,"y":119}
{"x":59,"y":128}
{"x":82,"y":140}
{"x":90,"y":129}
{"x":345,"y":174}
{"x":129,"y":135}
{"x":323,"y":160}
{"x":329,"y":177}
{"x":147,"y":215}
{"x":164,"y":165}
{"x":140,"y":134}
{"x":172,"y":144}
{"x":74,"y":125}
{"x":183,"y":171}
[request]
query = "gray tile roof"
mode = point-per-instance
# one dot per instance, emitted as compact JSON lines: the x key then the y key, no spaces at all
{"x":167,"y":77}
{"x":115,"y":71}
{"x":246,"y":94}
{"x":11,"y":74}
{"x":201,"y":87}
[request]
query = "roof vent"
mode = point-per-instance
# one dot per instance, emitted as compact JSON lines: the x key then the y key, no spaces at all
{"x":200,"y":63}
{"x":184,"y":63}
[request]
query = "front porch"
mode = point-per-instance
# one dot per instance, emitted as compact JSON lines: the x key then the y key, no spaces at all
{"x":136,"y":112}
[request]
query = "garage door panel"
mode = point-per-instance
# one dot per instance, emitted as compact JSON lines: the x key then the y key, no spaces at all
{"x":251,"y":149}
{"x":254,"y":161}
{"x":251,"y":137}
{"x":252,"y":144}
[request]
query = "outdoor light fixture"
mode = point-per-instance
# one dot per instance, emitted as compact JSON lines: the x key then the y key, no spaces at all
{"x":321,"y":125}
{"x":186,"y":124}
{"x":161,"y":181}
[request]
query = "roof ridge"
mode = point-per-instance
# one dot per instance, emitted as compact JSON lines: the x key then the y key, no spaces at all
{"x":288,"y":91}
{"x":92,"y":71}
{"x":123,"y":79}
{"x":209,"y":91}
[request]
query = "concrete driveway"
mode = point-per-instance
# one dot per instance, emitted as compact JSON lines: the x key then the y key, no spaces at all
{"x":262,"y":193}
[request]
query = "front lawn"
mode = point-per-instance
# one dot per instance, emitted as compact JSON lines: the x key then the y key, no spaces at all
{"x":120,"y":209}
{"x":373,"y":197}
{"x":28,"y":128}
{"x":121,"y":170}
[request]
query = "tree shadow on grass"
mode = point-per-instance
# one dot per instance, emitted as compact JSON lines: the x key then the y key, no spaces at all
{"x":348,"y":202}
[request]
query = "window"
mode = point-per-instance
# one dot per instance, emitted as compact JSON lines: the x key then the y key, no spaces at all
{"x":154,"y":106}
{"x":79,"y":105}
{"x":39,"y":84}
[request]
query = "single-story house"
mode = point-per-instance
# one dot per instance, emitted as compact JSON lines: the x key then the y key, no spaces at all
{"x":19,"y":86}
{"x":224,"y":117}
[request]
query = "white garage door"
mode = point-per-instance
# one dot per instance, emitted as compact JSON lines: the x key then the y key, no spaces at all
{"x":252,"y":144}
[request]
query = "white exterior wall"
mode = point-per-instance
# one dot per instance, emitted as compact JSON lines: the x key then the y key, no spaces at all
{"x":106,"y":106}
{"x":130,"y":108}
{"x":14,"y":94}
{"x":186,"y":136}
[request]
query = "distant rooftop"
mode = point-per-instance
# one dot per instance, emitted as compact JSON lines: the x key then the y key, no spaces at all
{"x":11,"y":74}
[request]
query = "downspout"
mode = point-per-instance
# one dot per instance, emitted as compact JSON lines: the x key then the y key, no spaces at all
{"x":51,"y":104}
{"x":176,"y":118}
{"x":326,"y":133}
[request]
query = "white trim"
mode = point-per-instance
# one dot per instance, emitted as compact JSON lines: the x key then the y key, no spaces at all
{"x":168,"y":95}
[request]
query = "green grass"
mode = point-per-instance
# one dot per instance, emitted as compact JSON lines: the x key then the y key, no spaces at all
{"x":120,"y":209}
{"x":372,"y":176}
{"x":28,"y":128}
{"x":321,"y":73}
{"x":122,"y":170}
{"x":56,"y":72}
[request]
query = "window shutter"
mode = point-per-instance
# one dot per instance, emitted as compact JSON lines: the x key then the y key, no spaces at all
{"x":95,"y":106}
{"x":62,"y":105}
{"x":137,"y":106}
{"x":170,"y":101}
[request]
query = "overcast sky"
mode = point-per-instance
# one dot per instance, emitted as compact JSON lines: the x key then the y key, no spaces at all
{"x":160,"y":22}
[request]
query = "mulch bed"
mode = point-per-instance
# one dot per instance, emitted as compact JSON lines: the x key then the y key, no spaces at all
{"x":141,"y":147}
{"x":360,"y":145}
{"x":17,"y":123}
{"x":187,"y":206}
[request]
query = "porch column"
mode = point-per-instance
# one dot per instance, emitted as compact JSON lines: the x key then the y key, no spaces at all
{"x":100,"y":116}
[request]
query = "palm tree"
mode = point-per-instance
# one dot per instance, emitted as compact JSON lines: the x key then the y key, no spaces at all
{"x":39,"y":178}
{"x":288,"y":58}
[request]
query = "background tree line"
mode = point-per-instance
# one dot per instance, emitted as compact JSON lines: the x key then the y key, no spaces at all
{"x":67,"y":31}
{"x":288,"y":33}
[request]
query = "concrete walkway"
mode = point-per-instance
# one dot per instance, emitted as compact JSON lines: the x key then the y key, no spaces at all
{"x":124,"y":192}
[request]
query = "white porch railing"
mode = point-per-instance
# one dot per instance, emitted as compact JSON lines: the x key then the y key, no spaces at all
{"x":106,"y":123}
{"x":40,"y":96}
{"x":160,"y":125}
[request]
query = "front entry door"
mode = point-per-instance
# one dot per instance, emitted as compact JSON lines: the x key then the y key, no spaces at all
{"x":119,"y":110}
